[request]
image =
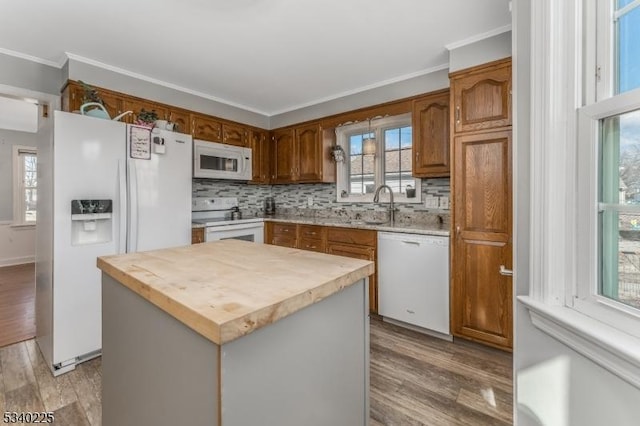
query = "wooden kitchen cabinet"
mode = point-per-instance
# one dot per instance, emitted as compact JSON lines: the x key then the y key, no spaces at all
{"x":197,"y":235}
{"x":308,"y":153}
{"x":282,"y":155}
{"x":259,"y":143}
{"x":73,"y":94}
{"x":430,"y":123}
{"x":312,"y":237}
{"x":182,"y":120}
{"x":349,"y":242}
{"x":481,"y":97}
{"x":358,"y":244}
{"x":302,"y":154}
{"x":137,"y":105}
{"x":235,"y":134}
{"x":205,"y":128}
{"x":481,"y":188}
{"x":281,"y":234}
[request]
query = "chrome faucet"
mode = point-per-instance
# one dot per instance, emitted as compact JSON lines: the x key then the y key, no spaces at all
{"x":392,"y":209}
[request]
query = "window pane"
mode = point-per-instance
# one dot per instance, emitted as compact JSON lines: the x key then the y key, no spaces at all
{"x":628,"y":47}
{"x":619,"y":220}
{"x":30,"y":181}
{"x":623,"y":3}
{"x":30,"y":205}
{"x":398,"y":159}
{"x":361,"y":167}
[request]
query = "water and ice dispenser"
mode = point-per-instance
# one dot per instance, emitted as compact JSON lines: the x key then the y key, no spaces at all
{"x":91,"y":221}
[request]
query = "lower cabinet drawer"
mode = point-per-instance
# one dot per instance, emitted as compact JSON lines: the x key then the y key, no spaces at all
{"x":311,"y":244}
{"x":284,"y":240}
{"x":284,"y":229}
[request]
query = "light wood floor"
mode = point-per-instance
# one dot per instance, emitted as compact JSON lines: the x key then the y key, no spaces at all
{"x":17,"y":303}
{"x":415,"y":380}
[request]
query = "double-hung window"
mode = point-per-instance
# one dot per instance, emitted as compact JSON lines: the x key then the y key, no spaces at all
{"x":608,"y":241}
{"x":25,"y":181}
{"x":361,"y":173}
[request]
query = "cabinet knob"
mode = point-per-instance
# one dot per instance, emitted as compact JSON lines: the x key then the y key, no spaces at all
{"x":458,"y":114}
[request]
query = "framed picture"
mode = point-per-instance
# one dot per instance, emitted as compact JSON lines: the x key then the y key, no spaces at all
{"x":140,"y":146}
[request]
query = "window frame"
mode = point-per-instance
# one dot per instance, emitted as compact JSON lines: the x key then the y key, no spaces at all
{"x":585,"y":296}
{"x":562,"y":176}
{"x":19,"y":205}
{"x":378,"y":127}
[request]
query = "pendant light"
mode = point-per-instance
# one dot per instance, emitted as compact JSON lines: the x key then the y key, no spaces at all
{"x":369,"y":144}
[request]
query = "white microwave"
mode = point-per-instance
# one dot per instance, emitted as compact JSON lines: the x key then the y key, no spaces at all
{"x":219,"y":161}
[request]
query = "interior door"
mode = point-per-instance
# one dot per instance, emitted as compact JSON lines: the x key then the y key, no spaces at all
{"x":482,"y":238}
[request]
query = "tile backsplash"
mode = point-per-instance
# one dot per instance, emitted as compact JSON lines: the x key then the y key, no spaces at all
{"x":293,"y":198}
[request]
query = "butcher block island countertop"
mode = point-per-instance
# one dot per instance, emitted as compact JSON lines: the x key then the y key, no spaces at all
{"x":227,"y":289}
{"x":234,"y":333}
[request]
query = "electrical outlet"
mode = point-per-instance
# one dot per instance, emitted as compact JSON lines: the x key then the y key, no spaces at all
{"x":444,"y":203}
{"x":431,"y":202}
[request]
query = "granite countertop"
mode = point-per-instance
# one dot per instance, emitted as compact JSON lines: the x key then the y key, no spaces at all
{"x":438,"y":230}
{"x":227,"y":289}
{"x":409,"y":228}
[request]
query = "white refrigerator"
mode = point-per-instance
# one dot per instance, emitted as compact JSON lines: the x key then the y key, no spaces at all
{"x":104,"y":188}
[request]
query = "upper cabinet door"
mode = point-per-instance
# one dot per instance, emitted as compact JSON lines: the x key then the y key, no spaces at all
{"x":181,"y":119}
{"x":259,"y":156}
{"x":137,"y":105}
{"x":482,"y":98}
{"x":234,"y":134}
{"x":282,"y":167}
{"x":309,"y":167}
{"x":206,"y":128}
{"x":431,"y":136}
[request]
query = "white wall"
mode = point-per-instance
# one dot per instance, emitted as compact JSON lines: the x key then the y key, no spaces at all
{"x":17,"y":244}
{"x":9,"y":138}
{"x":123,"y":83}
{"x":554,"y":384}
{"x":483,"y":51}
{"x":19,"y":72}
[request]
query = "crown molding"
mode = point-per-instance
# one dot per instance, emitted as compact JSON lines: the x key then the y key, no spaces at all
{"x":363,"y":89}
{"x":33,"y":58}
{"x":163,"y":83}
{"x":478,"y":37}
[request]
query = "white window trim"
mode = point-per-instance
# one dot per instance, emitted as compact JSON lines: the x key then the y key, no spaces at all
{"x":560,"y":83}
{"x":18,"y":186}
{"x":378,"y":126}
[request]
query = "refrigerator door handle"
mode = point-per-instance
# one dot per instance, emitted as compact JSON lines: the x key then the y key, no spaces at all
{"x":122,"y":216}
{"x":132,"y":241}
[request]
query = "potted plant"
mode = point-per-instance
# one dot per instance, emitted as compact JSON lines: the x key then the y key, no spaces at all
{"x":146,"y":118}
{"x":90,"y":94}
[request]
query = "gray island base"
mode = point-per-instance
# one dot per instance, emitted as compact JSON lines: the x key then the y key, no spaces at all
{"x":306,"y":367}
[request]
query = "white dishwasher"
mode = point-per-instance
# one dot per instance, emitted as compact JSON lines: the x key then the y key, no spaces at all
{"x":413,"y":279}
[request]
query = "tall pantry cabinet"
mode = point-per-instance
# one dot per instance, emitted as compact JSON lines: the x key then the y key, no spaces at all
{"x":481,"y":185}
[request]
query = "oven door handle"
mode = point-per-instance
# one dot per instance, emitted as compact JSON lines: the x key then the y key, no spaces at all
{"x":238,"y":227}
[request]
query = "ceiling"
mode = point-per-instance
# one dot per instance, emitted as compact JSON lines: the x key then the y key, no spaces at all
{"x":267,"y":56}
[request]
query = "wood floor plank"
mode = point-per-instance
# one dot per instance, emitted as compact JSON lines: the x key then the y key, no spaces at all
{"x":17,"y":303}
{"x":54,"y":392}
{"x":16,"y":367}
{"x":489,"y":401}
{"x":71,"y":415}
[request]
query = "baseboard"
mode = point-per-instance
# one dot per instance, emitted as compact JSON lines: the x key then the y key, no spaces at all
{"x":17,"y":261}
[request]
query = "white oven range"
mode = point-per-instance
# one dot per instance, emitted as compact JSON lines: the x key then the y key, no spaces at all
{"x":216,"y":214}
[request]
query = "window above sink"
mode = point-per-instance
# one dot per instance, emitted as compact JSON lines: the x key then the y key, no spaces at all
{"x":360,"y":173}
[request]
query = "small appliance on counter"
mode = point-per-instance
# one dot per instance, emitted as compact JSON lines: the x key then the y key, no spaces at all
{"x":269,"y":206}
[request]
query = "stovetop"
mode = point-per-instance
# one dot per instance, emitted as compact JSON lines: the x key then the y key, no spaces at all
{"x":216,"y":211}
{"x":217,"y":221}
